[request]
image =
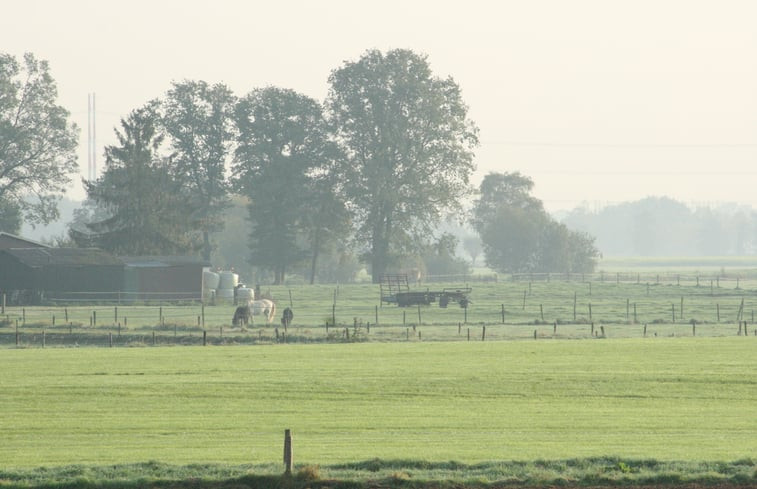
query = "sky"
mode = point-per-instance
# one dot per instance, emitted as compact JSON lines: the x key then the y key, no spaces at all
{"x":598,"y":101}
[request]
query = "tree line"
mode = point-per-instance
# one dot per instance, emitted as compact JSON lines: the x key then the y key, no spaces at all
{"x":370,"y":171}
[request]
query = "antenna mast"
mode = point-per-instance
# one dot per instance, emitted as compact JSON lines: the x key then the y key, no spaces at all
{"x":91,"y":138}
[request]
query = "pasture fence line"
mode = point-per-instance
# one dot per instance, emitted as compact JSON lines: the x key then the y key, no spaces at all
{"x":355,"y":313}
{"x":666,"y":278}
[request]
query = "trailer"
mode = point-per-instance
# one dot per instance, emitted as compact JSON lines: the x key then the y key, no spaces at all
{"x":395,"y":290}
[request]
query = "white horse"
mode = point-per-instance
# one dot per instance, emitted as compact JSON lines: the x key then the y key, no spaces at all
{"x":263,"y":307}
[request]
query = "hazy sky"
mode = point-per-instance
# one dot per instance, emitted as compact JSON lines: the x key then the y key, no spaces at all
{"x":599,"y":101}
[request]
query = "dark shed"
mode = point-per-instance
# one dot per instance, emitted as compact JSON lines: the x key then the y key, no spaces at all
{"x":61,"y":273}
{"x":8,"y":240}
{"x":163,"y":277}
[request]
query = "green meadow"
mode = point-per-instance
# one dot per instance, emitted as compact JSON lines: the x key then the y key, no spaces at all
{"x":664,"y":398}
{"x":611,"y":304}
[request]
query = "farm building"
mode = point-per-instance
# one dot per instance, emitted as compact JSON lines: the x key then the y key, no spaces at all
{"x":31,"y":275}
{"x":32,"y":272}
{"x":163,"y":277}
{"x":8,"y":240}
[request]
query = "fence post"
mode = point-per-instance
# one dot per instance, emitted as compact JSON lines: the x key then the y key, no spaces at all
{"x":3,"y":311}
{"x":483,"y":334}
{"x":575,"y":297}
{"x":204,"y":338}
{"x":503,"y":314}
{"x":288,"y":452}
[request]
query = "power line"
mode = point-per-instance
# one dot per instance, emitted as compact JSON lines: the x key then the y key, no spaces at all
{"x":553,"y":144}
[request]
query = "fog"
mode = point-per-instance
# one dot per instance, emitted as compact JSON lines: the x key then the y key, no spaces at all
{"x":598,"y":101}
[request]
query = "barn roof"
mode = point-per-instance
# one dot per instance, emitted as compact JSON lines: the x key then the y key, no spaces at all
{"x":163,"y":261}
{"x":8,"y":240}
{"x":39,"y":257}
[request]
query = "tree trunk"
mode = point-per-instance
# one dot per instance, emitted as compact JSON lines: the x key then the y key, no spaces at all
{"x":316,"y":252}
{"x":206,"y":245}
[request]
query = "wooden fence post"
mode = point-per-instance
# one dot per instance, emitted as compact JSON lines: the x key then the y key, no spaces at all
{"x":288,"y":459}
{"x":483,"y":334}
{"x":575,"y":297}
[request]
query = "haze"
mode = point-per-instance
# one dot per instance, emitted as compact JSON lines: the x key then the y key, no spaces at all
{"x":598,"y":101}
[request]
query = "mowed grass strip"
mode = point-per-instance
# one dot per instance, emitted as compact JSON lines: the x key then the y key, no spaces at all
{"x":664,"y":398}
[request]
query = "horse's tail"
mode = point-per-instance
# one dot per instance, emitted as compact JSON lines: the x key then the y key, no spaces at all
{"x":272,"y":312}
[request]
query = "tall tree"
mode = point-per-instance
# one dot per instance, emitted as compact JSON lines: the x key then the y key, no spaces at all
{"x":498,"y":189}
{"x":519,"y":236}
{"x":284,"y":158}
{"x":37,"y":141}
{"x":198,"y":120}
{"x":148,"y":212}
{"x":409,"y":149}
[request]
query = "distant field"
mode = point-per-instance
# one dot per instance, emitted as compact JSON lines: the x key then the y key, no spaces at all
{"x":677,"y":398}
{"x":612,"y":304}
{"x":703,"y":264}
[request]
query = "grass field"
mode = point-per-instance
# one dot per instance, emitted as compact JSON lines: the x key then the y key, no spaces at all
{"x":667,"y":304}
{"x":685,"y":399}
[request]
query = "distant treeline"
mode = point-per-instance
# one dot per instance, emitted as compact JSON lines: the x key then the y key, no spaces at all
{"x":660,"y":226}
